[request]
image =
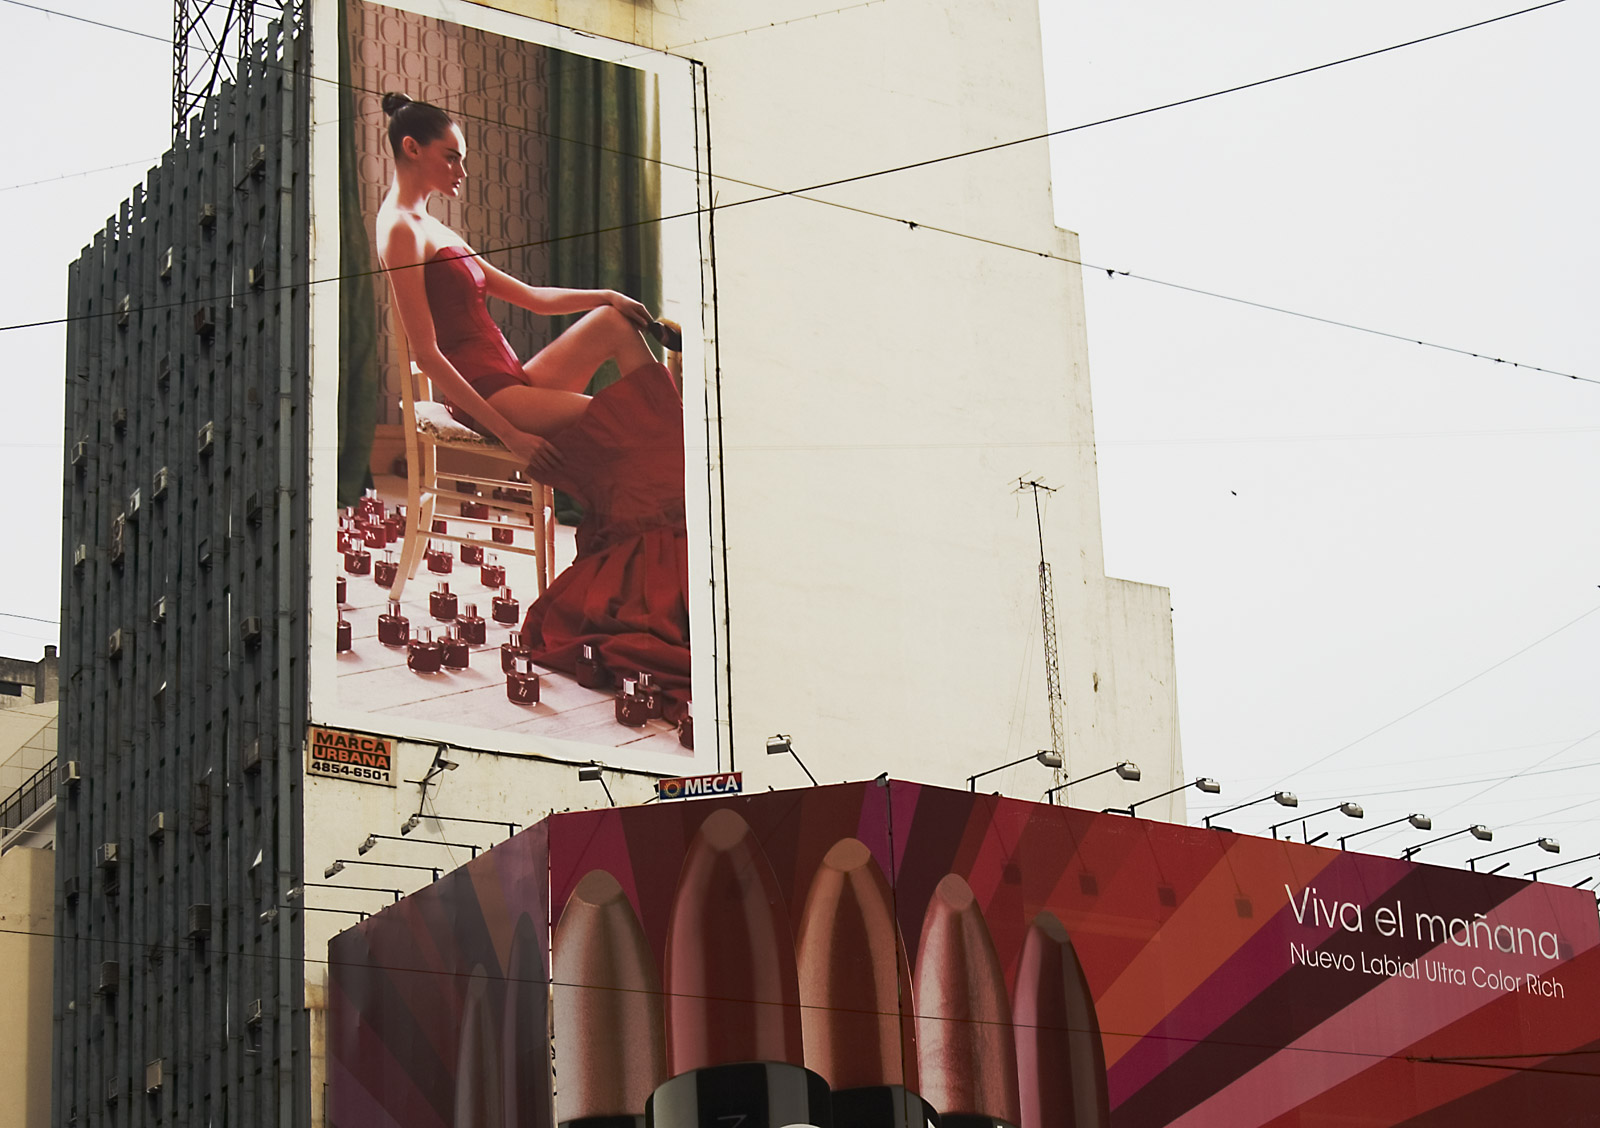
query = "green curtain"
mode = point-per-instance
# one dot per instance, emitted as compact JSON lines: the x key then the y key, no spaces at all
{"x":359,"y":383}
{"x":605,"y":177}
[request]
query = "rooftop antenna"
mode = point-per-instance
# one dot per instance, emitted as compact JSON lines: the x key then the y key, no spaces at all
{"x":212,"y":40}
{"x":1047,"y":620}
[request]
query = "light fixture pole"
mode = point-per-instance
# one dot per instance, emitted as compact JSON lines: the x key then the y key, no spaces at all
{"x":592,"y":773}
{"x":340,"y":863}
{"x":1349,"y":810}
{"x":1535,"y":873}
{"x":1203,"y":783}
{"x":1047,"y":758}
{"x":779,"y":744}
{"x":1421,"y":822}
{"x":1548,"y":845}
{"x":416,"y":820}
{"x":1282,"y":798}
{"x":374,"y":839}
{"x":1127,"y":770}
{"x":1477,"y":830}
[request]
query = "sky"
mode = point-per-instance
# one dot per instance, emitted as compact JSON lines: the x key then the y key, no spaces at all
{"x":1384,"y":558}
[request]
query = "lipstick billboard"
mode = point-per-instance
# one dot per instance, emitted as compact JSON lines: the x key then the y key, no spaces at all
{"x":894,"y":956}
{"x":509,"y":468}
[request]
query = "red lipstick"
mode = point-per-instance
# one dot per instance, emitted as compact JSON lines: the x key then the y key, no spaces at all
{"x":609,"y":1040}
{"x":1061,"y":1063}
{"x":855,"y":988}
{"x":734,"y":1043}
{"x":965,"y":1053}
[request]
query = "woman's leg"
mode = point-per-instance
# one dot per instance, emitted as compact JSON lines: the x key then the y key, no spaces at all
{"x":602,"y":334}
{"x":539,"y":411}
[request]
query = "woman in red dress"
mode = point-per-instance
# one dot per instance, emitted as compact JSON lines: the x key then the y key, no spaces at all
{"x":620,"y":453}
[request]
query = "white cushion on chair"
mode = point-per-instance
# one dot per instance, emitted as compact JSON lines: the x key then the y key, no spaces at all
{"x":435,"y":421}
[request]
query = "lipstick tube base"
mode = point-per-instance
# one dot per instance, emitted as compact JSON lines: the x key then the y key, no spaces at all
{"x":882,"y":1106}
{"x":751,"y":1094}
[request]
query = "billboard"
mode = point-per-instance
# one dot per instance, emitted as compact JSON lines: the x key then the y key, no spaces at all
{"x":897,"y":954}
{"x":509,"y":476}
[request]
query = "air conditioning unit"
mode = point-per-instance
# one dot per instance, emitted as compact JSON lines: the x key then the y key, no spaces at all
{"x":69,"y":888}
{"x":107,"y":981}
{"x":72,"y":772}
{"x":119,"y":418}
{"x":208,"y":216}
{"x":135,"y":499}
{"x":154,"y":1073}
{"x":258,"y":161}
{"x":80,"y":454}
{"x":124,"y":311}
{"x":205,"y":323}
{"x":252,"y":1013}
{"x":252,"y":756}
{"x":256,"y":276}
{"x":167,"y":258}
{"x":199,"y":922}
{"x":158,"y":611}
{"x":80,"y":556}
{"x":206,"y":438}
{"x":250,"y":631}
{"x":252,"y":510}
{"x":105,"y":855}
{"x":119,"y":539}
{"x":158,"y":825}
{"x":158,"y":484}
{"x":164,"y":370}
{"x":114,"y":644}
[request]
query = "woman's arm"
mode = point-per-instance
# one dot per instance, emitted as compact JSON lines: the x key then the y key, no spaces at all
{"x":553,"y":300}
{"x":402,"y":255}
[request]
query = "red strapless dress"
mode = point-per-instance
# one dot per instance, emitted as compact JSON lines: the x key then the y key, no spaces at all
{"x":467,"y":335}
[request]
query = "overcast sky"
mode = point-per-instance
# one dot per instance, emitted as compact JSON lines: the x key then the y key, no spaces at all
{"x":1351,"y":526}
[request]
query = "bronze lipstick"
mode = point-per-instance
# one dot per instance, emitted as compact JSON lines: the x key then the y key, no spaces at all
{"x":529,"y":1086}
{"x":965,"y":1053}
{"x":609,"y":1042}
{"x":855,"y":991}
{"x":478,"y":1081}
{"x":734,"y":1044}
{"x":1061,"y":1063}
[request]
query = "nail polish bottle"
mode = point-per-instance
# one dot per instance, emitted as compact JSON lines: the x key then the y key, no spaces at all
{"x":395,"y":523}
{"x":502,"y":532}
{"x":374,"y":535}
{"x":650,"y":693}
{"x":442,"y":603}
{"x":686,"y":726}
{"x":370,"y":506}
{"x":522,"y":684}
{"x":630,"y":706}
{"x":511,"y":651}
{"x":506,"y":609}
{"x":385,"y":570}
{"x":456,"y":653}
{"x":423,"y":655}
{"x":470,"y":626}
{"x":394,"y":629}
{"x":588,"y":670}
{"x":358,"y":561}
{"x":344,"y":536}
{"x":440,"y":561}
{"x":471,"y":550}
{"x":475,"y":510}
{"x":341,"y":588}
{"x":342,"y":635}
{"x":492,"y":574}
{"x":439,"y":525}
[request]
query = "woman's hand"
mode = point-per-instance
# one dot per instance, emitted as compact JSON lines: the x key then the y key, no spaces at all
{"x":632,"y":310}
{"x":540,"y":454}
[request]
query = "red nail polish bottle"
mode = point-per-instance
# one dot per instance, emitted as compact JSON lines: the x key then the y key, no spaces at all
{"x":686,"y":726}
{"x":471,"y":627}
{"x":492,"y":575}
{"x":439,"y":525}
{"x":456,"y":652}
{"x":471,"y":550}
{"x":502,"y":532}
{"x":589,"y":671}
{"x":442,"y":603}
{"x":395,"y":523}
{"x":385,"y":570}
{"x":506,"y":610}
{"x":650,"y":693}
{"x":522,"y":684}
{"x":369,"y":505}
{"x":511,"y":651}
{"x":441,"y":560}
{"x":630,"y":706}
{"x":343,"y":635}
{"x":394,"y":629}
{"x":374,"y":535}
{"x":358,"y":561}
{"x":423,"y":655}
{"x":341,"y":587}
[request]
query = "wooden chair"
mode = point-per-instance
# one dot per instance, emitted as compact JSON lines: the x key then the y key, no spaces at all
{"x":529,"y":506}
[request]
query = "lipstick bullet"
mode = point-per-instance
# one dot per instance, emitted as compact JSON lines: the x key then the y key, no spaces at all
{"x":1061,"y":1063}
{"x":734,"y":1043}
{"x":611,"y":1047}
{"x":478,"y":1081}
{"x":855,"y":991}
{"x":529,"y":1084}
{"x":965,"y":1053}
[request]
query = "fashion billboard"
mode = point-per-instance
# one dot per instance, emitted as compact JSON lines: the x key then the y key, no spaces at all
{"x":509,"y":477}
{"x":891,"y":954}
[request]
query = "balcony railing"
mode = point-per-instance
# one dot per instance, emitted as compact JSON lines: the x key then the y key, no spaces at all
{"x":27,"y":800}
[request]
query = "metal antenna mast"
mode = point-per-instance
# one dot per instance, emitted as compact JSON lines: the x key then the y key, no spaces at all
{"x":210,"y":41}
{"x":1047,"y":620}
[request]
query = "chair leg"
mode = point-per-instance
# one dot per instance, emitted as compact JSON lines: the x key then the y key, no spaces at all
{"x":419,"y":519}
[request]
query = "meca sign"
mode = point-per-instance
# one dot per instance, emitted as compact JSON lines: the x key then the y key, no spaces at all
{"x":687,"y":787}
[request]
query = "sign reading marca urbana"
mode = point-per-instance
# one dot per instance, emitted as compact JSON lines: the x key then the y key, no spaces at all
{"x":355,"y":756}
{"x":688,"y":787}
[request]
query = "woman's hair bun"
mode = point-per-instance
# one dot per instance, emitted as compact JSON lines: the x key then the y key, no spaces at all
{"x":392,"y":102}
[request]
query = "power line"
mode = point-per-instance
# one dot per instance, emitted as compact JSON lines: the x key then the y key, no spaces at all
{"x":30,"y":618}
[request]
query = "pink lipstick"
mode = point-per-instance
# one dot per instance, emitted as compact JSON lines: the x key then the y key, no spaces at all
{"x":1061,"y":1063}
